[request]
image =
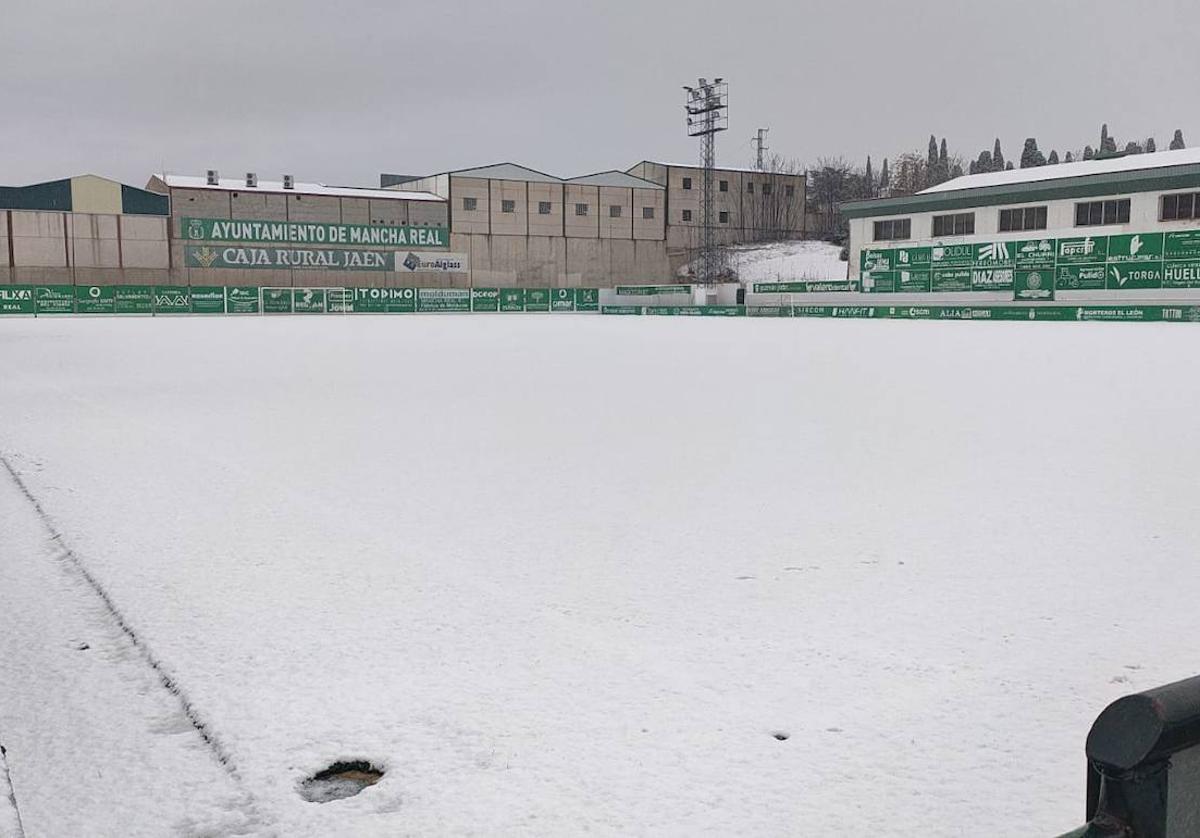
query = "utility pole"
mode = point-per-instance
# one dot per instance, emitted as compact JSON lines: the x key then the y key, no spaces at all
{"x":707,"y":108}
{"x":760,"y":147}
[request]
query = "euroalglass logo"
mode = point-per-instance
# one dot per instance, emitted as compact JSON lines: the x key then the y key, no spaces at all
{"x":412,"y":261}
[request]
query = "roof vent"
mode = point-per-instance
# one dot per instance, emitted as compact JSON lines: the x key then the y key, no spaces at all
{"x":289,"y":182}
{"x":251,"y":180}
{"x":211,"y":177}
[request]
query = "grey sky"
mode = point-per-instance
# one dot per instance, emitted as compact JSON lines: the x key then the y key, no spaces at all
{"x":339,"y":91}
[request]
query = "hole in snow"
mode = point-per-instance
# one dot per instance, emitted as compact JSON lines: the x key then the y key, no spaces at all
{"x":339,"y":781}
{"x":781,"y":735}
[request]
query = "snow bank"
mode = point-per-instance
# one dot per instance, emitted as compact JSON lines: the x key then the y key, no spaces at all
{"x":555,"y":575}
{"x":784,"y":261}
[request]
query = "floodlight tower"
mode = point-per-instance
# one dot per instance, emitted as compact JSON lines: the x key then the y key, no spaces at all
{"x":707,"y":107}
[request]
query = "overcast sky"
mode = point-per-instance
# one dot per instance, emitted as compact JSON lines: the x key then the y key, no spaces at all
{"x":339,"y":91}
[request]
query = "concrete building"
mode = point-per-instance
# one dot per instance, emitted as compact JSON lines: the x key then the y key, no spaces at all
{"x":522,"y":227}
{"x":1123,"y":227}
{"x":751,"y":205}
{"x":292,"y":233}
{"x":84,"y":230}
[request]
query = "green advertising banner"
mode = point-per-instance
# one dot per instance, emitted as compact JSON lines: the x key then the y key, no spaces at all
{"x":1087,"y":250}
{"x":172,"y":299}
{"x":17,"y":299}
{"x":1181,"y":314}
{"x":208,"y":299}
{"x":241,"y":299}
{"x":54,"y":299}
{"x":537,"y":299}
{"x":1135,"y":248}
{"x":276,"y":300}
{"x":620,"y":309}
{"x":1034,"y":254}
{"x":1033,"y":286}
{"x":443,"y":299}
{"x":1135,"y":275}
{"x":651,"y":290}
{"x":1181,"y":274}
{"x":991,"y":279}
{"x":339,"y":300}
{"x":913,"y":258}
{"x":385,"y":300}
{"x":910,"y":282}
{"x":768,"y":311}
{"x":512,"y":299}
{"x":696,"y":311}
{"x":133,"y":299}
{"x":875,"y":261}
{"x":1080,"y":277}
{"x":485,"y":299}
{"x":288,"y":259}
{"x":303,"y":232}
{"x":308,"y":300}
{"x":587,"y":299}
{"x":952,"y":256}
{"x":1120,"y":313}
{"x":804,"y":287}
{"x":562,"y":299}
{"x":950,"y":279}
{"x":1183,"y":244}
{"x":95,"y":299}
{"x":994,"y":255}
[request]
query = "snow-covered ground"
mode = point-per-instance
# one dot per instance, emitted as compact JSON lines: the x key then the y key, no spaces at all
{"x":562,"y":574}
{"x":785,"y":261}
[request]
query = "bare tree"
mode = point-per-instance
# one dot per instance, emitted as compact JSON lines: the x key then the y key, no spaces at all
{"x":830,"y":182}
{"x":910,"y":174}
{"x":776,"y":210}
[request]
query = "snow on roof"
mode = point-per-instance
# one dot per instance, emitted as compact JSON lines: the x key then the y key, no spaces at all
{"x":301,"y":188}
{"x":614,"y":178}
{"x":1082,"y":168}
{"x":507,"y":171}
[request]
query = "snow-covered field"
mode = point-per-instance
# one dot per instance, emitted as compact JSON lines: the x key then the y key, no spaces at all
{"x":567,"y":574}
{"x":785,"y":261}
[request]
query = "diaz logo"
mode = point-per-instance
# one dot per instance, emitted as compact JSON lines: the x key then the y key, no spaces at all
{"x":994,"y":252}
{"x":205,"y":256}
{"x":195,"y":229}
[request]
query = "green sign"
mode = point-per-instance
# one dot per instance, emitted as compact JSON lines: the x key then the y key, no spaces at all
{"x":277,"y":301}
{"x":1034,"y":254}
{"x":875,"y":261}
{"x":485,"y":299}
{"x":241,"y":299}
{"x":587,"y":299}
{"x":1135,"y":248}
{"x":1135,"y":275}
{"x":310,"y":233}
{"x":991,"y":279}
{"x":951,"y":256}
{"x":17,"y":299}
{"x":1033,"y":286}
{"x":512,"y":299}
{"x":339,"y":300}
{"x":288,"y":259}
{"x":805,"y":287}
{"x":950,"y":279}
{"x":1080,"y":277}
{"x":651,"y":290}
{"x":54,"y":299}
{"x":620,"y":309}
{"x":768,"y":311}
{"x":172,"y":299}
{"x":909,"y":282}
{"x":95,"y":299}
{"x":913,"y":258}
{"x":208,"y":299}
{"x":537,"y":299}
{"x":994,"y":255}
{"x":133,"y":299}
{"x":696,"y":311}
{"x":1181,"y":274}
{"x":443,"y":299}
{"x":308,"y":300}
{"x":880,"y":282}
{"x":1087,"y":250}
{"x":385,"y":300}
{"x":1120,"y":313}
{"x":562,"y":299}
{"x":1183,"y":244}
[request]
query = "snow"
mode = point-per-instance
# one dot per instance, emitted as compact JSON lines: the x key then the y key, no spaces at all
{"x":237,"y":184}
{"x":560,"y":574}
{"x":785,"y":261}
{"x":1080,"y":168}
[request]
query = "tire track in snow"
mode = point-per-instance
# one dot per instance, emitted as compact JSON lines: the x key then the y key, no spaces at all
{"x":11,"y":795}
{"x":168,"y":681}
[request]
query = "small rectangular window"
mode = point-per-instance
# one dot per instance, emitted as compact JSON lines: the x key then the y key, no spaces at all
{"x":543,"y":207}
{"x":1179,"y":207}
{"x":960,"y":224}
{"x":893,"y":229}
{"x":687,"y":183}
{"x":508,"y":206}
{"x":724,"y":218}
{"x":581,"y":209}
{"x":789,"y":190}
{"x":1188,"y":206}
{"x":647,"y":212}
{"x":470,"y":203}
{"x":723,"y":185}
{"x":1028,"y":218}
{"x":750,"y":187}
{"x":687,"y":215}
{"x":614,"y":211}
{"x":1096,"y":213}
{"x":766,"y":190}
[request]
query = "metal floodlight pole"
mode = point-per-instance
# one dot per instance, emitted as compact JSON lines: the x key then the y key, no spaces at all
{"x":707,"y":108}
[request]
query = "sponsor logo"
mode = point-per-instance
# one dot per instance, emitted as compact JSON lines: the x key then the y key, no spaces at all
{"x":994,"y":252}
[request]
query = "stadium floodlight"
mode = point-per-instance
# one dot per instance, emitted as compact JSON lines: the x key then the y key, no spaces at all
{"x":707,"y":108}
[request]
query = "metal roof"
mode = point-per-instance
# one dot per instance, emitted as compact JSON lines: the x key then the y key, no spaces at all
{"x":506,"y":171}
{"x":614,"y":178}
{"x":301,"y":188}
{"x":697,"y":166}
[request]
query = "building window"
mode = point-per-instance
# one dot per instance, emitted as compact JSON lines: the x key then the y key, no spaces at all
{"x":790,"y":190}
{"x":543,"y":207}
{"x":687,"y":215}
{"x":1096,"y":213}
{"x":687,"y":183}
{"x":724,"y":217}
{"x":893,"y":229}
{"x":750,"y":186}
{"x":1180,"y":207}
{"x":1022,"y":218}
{"x":723,"y":185}
{"x":766,"y":189}
{"x":581,"y":209}
{"x":614,"y":211}
{"x":647,"y":212}
{"x":960,"y":224}
{"x":470,"y":203}
{"x":508,"y":206}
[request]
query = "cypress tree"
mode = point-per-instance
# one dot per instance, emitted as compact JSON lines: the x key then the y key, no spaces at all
{"x":1069,"y":158}
{"x":1177,"y":141}
{"x":1089,"y":153}
{"x":1151,"y":147}
{"x":1053,"y":158}
{"x":1030,"y":156}
{"x":884,"y":177}
{"x":997,"y":157}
